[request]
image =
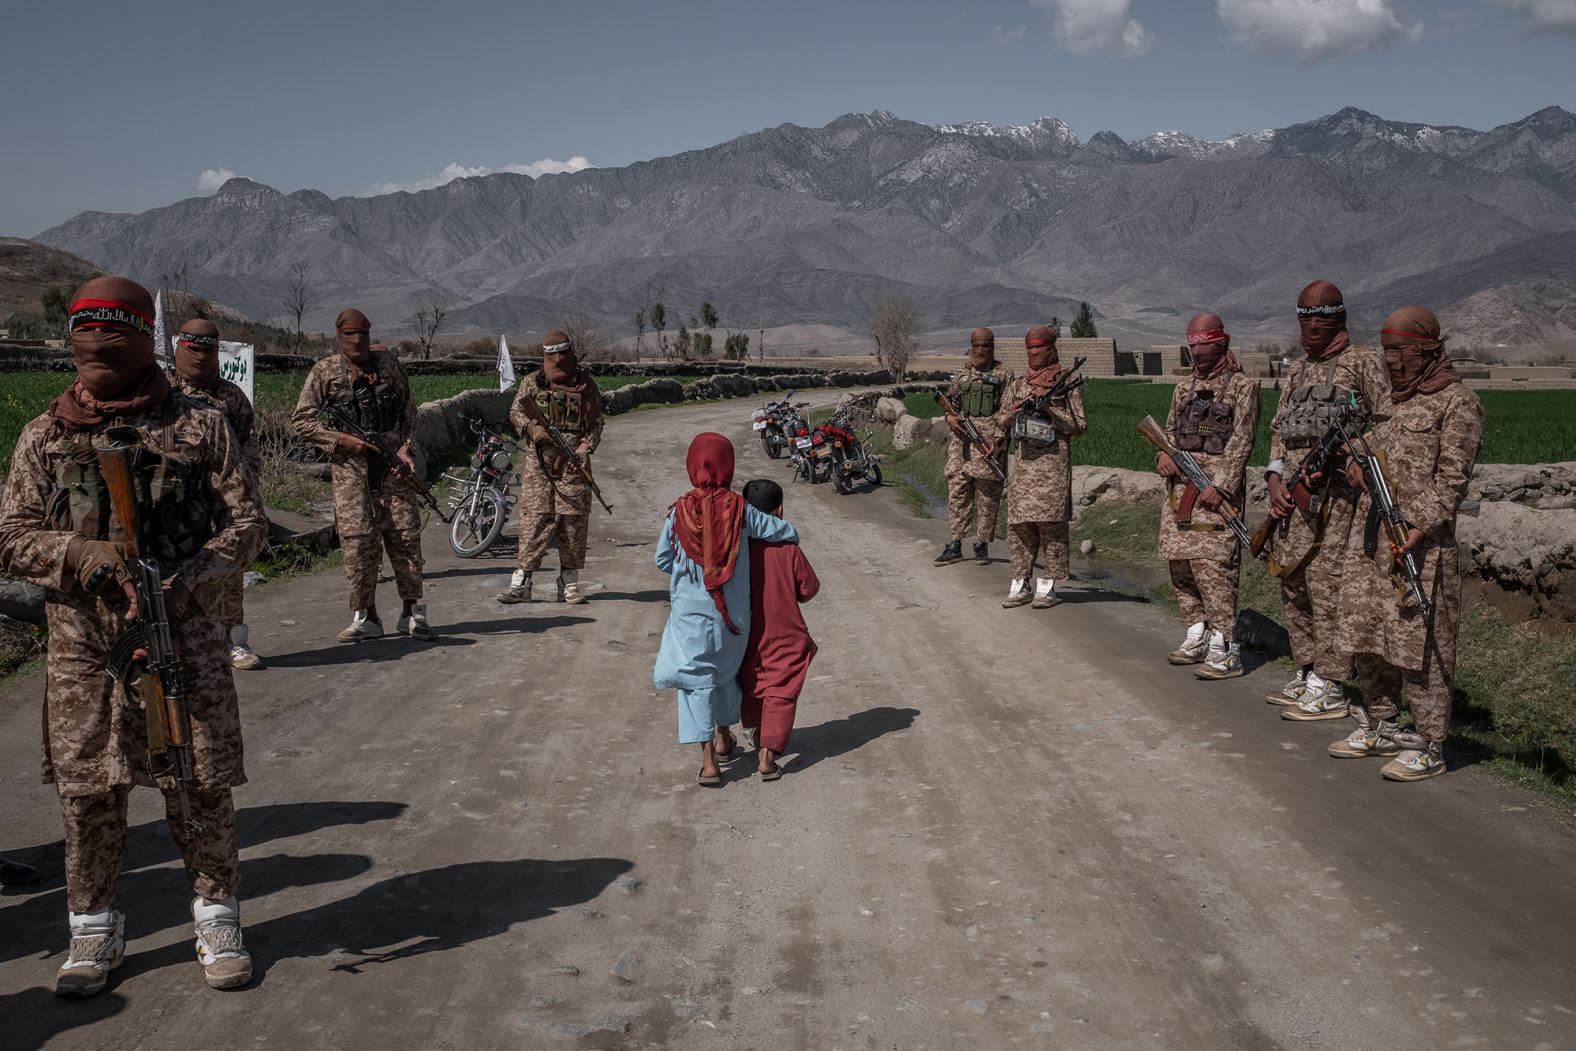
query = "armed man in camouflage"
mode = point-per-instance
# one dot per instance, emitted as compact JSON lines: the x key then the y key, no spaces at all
{"x":196,"y":374}
{"x":973,"y":489}
{"x":1428,"y":445}
{"x":373,"y":510}
{"x":204,"y":525}
{"x":1215,"y":417}
{"x":555,"y":501}
{"x":1040,"y":493}
{"x":1310,"y":538}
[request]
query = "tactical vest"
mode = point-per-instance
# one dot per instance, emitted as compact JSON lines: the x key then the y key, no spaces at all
{"x":1310,"y":410}
{"x":375,"y":407}
{"x":1204,"y":422}
{"x":980,"y":396}
{"x":562,"y":409}
{"x":179,"y":511}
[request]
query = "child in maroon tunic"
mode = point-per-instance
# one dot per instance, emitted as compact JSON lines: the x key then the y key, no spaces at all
{"x":780,"y":647}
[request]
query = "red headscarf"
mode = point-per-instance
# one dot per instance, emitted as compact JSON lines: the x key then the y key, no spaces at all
{"x":1044,"y":367}
{"x":111,"y":320}
{"x":709,"y":519}
{"x":1209,"y":345}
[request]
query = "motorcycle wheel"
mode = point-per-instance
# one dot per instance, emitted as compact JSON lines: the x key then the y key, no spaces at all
{"x":841,"y":481}
{"x":772,"y":445}
{"x":873,"y":474}
{"x":476,"y":528}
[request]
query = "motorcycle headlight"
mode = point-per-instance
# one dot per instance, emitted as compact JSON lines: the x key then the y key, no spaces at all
{"x":499,"y":460}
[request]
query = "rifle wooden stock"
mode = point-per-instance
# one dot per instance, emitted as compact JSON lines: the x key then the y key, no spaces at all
{"x":565,"y":449}
{"x":1153,"y":433}
{"x":115,"y":468}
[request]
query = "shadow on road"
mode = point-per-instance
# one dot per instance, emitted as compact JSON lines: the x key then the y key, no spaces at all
{"x":1086,"y":595}
{"x":421,"y":912}
{"x":377,"y":650}
{"x":653,"y":595}
{"x":523,"y":625}
{"x":841,"y":736}
{"x":34,"y":1017}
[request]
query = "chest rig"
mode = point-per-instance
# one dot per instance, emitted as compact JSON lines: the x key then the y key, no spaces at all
{"x":179,"y":511}
{"x":563,"y":409}
{"x":375,"y":405}
{"x":980,"y":394}
{"x":1205,"y":421}
{"x":1311,"y":407}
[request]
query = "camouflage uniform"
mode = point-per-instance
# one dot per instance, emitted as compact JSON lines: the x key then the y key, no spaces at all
{"x":95,"y":736}
{"x":1310,"y":555}
{"x":552,"y":505}
{"x":971,"y":485}
{"x":1430,"y":442}
{"x":231,"y":400}
{"x":1040,"y":498}
{"x":1204,"y":555}
{"x":373,"y":511}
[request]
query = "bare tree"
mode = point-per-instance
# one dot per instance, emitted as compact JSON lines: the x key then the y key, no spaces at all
{"x":894,"y":328}
{"x":298,"y":294}
{"x":581,"y":328}
{"x":424,"y":325}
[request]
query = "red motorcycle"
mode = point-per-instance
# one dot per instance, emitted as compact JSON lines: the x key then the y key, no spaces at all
{"x":848,"y":459}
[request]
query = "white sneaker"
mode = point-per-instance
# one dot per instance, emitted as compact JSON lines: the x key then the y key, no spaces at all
{"x":1224,"y":662}
{"x":1195,"y":645}
{"x":362,"y":628}
{"x":1416,"y":764}
{"x":241,"y":656}
{"x":416,"y":625}
{"x":98,"y":945}
{"x":1322,"y":700}
{"x":569,"y":587}
{"x":1018,"y":594}
{"x":225,"y":962}
{"x":1292,"y":692}
{"x":1044,"y":593}
{"x":1370,"y":739}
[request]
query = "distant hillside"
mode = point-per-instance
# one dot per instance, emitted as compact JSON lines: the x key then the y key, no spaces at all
{"x":975,"y":222}
{"x":28,"y":268}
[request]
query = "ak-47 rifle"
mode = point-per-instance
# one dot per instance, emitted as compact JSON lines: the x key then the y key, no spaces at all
{"x":401,"y":471}
{"x":1317,"y":462}
{"x":1152,"y":432}
{"x":163,"y":690}
{"x":1065,"y":384}
{"x":971,"y":432}
{"x":1386,"y":512}
{"x":565,"y":448}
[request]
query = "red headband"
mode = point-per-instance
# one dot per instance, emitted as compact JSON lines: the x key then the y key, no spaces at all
{"x":1040,"y":343}
{"x":85,"y":312}
{"x":1195,"y":338}
{"x":1421,"y":336}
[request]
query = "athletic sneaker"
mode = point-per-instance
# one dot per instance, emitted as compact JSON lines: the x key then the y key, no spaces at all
{"x":98,"y":945}
{"x":225,"y":962}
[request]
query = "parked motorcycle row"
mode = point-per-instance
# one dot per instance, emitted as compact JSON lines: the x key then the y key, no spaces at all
{"x":833,"y":451}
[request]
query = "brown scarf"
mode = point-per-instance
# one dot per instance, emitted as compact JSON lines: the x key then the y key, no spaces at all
{"x":561,"y":371}
{"x":197,"y":353}
{"x":1044,"y":363}
{"x":353,"y":335}
{"x":112,"y":342}
{"x":1321,"y":317}
{"x":1414,"y":354}
{"x":1209,"y":346}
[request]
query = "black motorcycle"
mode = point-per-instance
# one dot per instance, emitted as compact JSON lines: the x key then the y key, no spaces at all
{"x":771,"y":421}
{"x":482,"y":499}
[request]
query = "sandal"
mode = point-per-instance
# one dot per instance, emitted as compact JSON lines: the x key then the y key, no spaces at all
{"x":727,"y":735}
{"x":776,"y":772}
{"x":706,"y":780}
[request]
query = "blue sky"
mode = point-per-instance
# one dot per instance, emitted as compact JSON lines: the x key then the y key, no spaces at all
{"x":122,"y":107}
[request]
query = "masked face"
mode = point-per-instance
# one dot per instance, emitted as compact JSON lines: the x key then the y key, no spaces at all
{"x":1040,"y":344}
{"x":197,"y":353}
{"x":353,"y":333}
{"x":982,"y":349}
{"x":1321,"y":316}
{"x":1207,"y":343}
{"x":111,"y":321}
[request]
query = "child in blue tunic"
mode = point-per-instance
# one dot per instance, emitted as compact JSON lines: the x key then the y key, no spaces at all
{"x":704,"y":548}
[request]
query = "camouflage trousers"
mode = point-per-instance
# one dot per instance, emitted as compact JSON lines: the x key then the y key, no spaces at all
{"x":1309,"y":602}
{"x":571,"y":532}
{"x":965,"y":496}
{"x":1046,"y":541}
{"x":228,"y":606}
{"x":1427,"y":692}
{"x":370,"y":522}
{"x":1206,"y":591}
{"x":96,"y":844}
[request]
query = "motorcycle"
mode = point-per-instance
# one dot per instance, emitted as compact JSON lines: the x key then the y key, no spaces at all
{"x":811,"y":455}
{"x":771,"y":421}
{"x":482,"y":499}
{"x":850,"y":459}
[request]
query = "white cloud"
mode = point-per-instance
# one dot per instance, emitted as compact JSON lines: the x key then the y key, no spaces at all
{"x":1087,"y":27}
{"x":1546,"y":16}
{"x":545,"y":166}
{"x":1005,"y":37}
{"x":211,"y":179}
{"x":1316,"y":29}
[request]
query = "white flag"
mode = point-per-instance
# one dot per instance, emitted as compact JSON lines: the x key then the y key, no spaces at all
{"x":505,"y":364}
{"x":161,"y":339}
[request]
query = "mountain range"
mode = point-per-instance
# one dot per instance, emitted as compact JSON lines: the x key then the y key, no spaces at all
{"x":975,"y":222}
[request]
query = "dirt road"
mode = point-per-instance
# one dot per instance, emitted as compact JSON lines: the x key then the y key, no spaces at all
{"x":1003,"y":828}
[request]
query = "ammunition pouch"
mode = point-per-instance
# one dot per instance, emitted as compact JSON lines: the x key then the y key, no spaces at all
{"x":562,"y":409}
{"x":179,"y":511}
{"x":1204,"y":424}
{"x":1032,"y":429}
{"x":980,"y":396}
{"x":1310,"y":412}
